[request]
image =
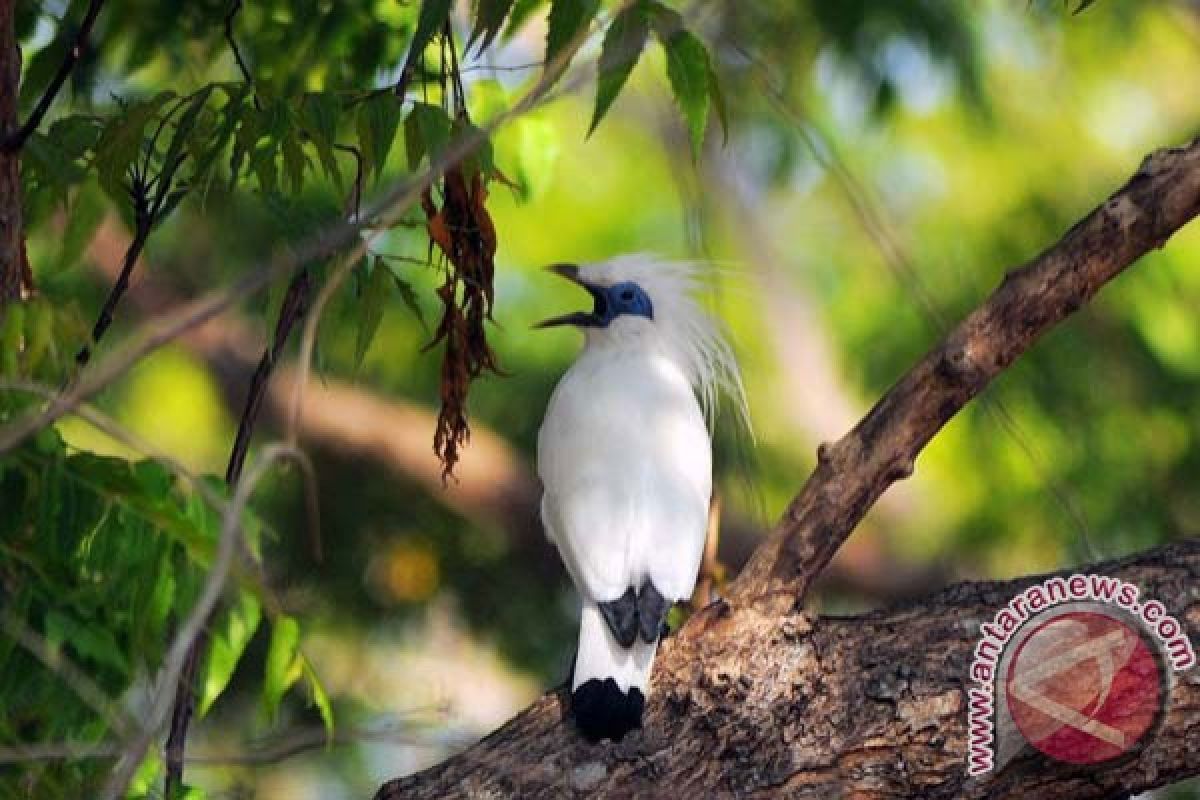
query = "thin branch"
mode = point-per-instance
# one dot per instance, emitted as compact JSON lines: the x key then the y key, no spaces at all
{"x":191,"y":630}
{"x":295,"y":304}
{"x":234,"y":8}
{"x":274,"y":750}
{"x":105,"y":318}
{"x":503,"y":67}
{"x":354,"y":205}
{"x":182,"y":709}
{"x":16,"y":139}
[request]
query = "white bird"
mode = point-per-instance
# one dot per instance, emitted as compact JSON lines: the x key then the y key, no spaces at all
{"x":625,"y":459}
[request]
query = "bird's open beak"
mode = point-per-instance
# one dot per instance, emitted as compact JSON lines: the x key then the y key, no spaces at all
{"x":584,"y":319}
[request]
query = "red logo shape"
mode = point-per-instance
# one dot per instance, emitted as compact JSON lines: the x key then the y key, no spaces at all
{"x":1084,"y":687}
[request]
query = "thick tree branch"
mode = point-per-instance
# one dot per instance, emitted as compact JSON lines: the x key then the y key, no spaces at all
{"x":749,"y":702}
{"x":852,"y":473}
{"x":753,"y":697}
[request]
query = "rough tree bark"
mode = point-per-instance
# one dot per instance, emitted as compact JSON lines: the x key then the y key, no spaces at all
{"x":755,"y":697}
{"x":11,"y":249}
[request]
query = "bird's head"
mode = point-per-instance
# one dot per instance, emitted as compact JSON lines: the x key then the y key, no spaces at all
{"x":642,"y":301}
{"x":617,"y":302}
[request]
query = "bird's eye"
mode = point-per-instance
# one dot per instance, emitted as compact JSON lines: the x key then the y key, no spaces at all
{"x":627,"y":295}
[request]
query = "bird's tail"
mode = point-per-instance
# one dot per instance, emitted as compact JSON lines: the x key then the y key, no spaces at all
{"x":608,"y":691}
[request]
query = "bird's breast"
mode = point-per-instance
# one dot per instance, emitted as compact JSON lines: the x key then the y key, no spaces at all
{"x":630,"y":418}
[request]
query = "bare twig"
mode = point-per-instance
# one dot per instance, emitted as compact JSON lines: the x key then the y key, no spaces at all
{"x":274,"y":750}
{"x":149,"y":195}
{"x":14,"y":140}
{"x":294,"y":305}
{"x":234,"y":8}
{"x":105,"y":318}
{"x":293,"y":309}
{"x":182,"y":709}
{"x":191,"y":630}
{"x":354,"y":202}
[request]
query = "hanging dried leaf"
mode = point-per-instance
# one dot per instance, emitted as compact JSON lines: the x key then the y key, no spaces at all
{"x":463,"y":230}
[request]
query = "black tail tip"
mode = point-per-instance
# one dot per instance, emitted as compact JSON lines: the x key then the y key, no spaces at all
{"x":603,"y":711}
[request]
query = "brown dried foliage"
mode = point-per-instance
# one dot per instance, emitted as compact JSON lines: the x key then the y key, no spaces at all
{"x":463,"y":230}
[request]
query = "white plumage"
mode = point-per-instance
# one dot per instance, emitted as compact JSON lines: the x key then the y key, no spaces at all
{"x":625,"y":456}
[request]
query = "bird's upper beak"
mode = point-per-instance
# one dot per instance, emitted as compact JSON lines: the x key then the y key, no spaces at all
{"x":581,"y":318}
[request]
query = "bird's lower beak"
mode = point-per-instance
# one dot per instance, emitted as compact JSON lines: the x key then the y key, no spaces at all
{"x":583,"y":319}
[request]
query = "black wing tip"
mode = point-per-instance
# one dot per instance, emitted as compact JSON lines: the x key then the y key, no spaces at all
{"x":637,"y":614}
{"x":652,"y":613}
{"x":603,"y":711}
{"x":621,"y":615}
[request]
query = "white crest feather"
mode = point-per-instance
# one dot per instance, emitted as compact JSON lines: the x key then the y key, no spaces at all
{"x":694,"y":338}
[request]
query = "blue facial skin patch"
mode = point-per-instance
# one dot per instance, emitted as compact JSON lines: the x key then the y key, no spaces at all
{"x":621,"y":298}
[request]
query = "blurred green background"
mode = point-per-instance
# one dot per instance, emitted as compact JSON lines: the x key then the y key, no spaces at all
{"x":886,"y":162}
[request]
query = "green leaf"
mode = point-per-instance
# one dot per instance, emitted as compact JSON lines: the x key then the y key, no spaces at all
{"x":429,"y":22}
{"x":208,"y":146}
{"x":85,"y":215}
{"x":283,"y":665}
{"x":228,"y":642}
{"x":489,"y":18}
{"x":482,"y":159}
{"x":521,"y":12}
{"x":74,"y":135}
{"x":688,"y":70}
{"x":623,"y":45}
{"x":426,"y":133}
{"x":40,"y":332}
{"x":320,"y":114}
{"x":568,"y":19}
{"x":409,"y":297}
{"x":12,"y":334}
{"x":718,"y":101}
{"x":370,"y":314}
{"x":121,"y":141}
{"x":244,"y":141}
{"x":294,"y":162}
{"x":179,"y":145}
{"x":377,"y":121}
{"x":320,"y":699}
{"x":91,"y":641}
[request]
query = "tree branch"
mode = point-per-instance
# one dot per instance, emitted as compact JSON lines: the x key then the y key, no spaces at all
{"x":12,"y":234}
{"x":747,"y":702}
{"x":12,"y":141}
{"x":852,"y":473}
{"x":755,"y":697}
